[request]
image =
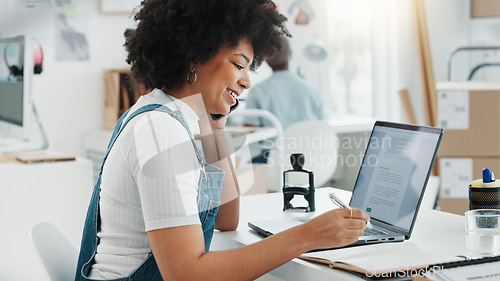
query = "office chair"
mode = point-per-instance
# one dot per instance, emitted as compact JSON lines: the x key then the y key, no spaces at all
{"x":318,"y":141}
{"x":275,"y":171}
{"x":57,"y":255}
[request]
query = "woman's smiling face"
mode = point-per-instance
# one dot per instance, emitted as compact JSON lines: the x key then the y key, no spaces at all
{"x":224,"y":77}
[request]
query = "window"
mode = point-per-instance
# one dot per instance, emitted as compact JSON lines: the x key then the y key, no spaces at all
{"x":350,"y":60}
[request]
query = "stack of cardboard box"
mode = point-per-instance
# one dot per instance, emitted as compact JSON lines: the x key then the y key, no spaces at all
{"x":469,"y":113}
{"x":484,"y":8}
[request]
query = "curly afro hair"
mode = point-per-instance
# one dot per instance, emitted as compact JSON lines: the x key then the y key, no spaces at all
{"x":172,"y":34}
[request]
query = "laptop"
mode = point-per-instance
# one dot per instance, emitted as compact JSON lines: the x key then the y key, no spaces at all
{"x":390,"y":184}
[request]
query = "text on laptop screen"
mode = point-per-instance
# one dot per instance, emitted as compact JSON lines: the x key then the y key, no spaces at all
{"x":393,"y":174}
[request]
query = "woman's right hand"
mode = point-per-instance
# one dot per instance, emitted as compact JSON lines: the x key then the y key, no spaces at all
{"x":335,"y":228}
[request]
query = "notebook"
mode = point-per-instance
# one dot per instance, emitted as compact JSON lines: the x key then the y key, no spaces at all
{"x":390,"y":184}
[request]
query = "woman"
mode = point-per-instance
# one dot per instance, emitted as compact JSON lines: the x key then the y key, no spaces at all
{"x":160,"y":195}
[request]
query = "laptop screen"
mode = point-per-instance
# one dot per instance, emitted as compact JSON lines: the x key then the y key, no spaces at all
{"x":394,"y":172}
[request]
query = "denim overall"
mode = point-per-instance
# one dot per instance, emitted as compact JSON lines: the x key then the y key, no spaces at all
{"x":210,"y":186}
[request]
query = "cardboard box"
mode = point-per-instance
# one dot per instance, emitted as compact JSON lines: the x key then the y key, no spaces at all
{"x":484,"y":8}
{"x":469,"y":113}
{"x":456,"y":173}
{"x":119,"y":93}
{"x":455,"y":205}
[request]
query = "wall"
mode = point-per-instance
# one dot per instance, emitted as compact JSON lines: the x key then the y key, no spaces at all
{"x":484,"y":32}
{"x":68,"y":95}
{"x":447,"y":24}
{"x":447,"y":29}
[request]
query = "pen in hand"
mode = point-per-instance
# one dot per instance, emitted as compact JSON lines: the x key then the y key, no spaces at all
{"x":343,"y":205}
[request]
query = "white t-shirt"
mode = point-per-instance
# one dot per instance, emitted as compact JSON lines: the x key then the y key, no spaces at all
{"x":149,"y":181}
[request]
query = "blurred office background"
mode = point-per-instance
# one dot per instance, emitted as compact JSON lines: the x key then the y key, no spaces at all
{"x":371,"y":54}
{"x":361,"y":55}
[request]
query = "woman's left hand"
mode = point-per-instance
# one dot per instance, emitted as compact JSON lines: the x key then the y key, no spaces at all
{"x":218,"y":124}
{"x":208,"y":124}
{"x":218,"y":121}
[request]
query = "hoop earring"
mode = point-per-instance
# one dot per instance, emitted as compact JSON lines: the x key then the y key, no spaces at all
{"x":188,"y":77}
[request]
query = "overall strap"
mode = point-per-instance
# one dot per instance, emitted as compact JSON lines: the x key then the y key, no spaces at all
{"x":150,"y":107}
{"x":177,"y":114}
{"x":92,"y":223}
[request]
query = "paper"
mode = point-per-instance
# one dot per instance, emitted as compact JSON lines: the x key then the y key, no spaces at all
{"x":71,"y":36}
{"x":39,"y":158}
{"x":453,"y":110}
{"x":477,"y":272}
{"x":69,"y":9}
{"x":381,"y":258}
{"x":456,"y":175}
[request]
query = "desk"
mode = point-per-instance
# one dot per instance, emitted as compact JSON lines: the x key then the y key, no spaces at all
{"x":434,"y":230}
{"x":95,"y":142}
{"x":56,"y":192}
{"x":252,"y":134}
{"x":352,"y":124}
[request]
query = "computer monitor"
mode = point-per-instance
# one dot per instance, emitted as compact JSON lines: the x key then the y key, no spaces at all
{"x":16,"y":72}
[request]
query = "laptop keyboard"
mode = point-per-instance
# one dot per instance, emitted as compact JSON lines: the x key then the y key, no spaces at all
{"x":366,"y":232}
{"x":373,"y":231}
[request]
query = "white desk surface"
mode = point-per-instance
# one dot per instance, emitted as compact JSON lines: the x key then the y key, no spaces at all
{"x":343,"y":125}
{"x":57,"y":192}
{"x":434,"y":230}
{"x":254,"y":135}
{"x":352,"y":124}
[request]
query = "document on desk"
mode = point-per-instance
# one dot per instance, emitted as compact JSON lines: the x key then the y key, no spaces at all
{"x":380,"y":258}
{"x":43,"y":157}
{"x":478,"y":272}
